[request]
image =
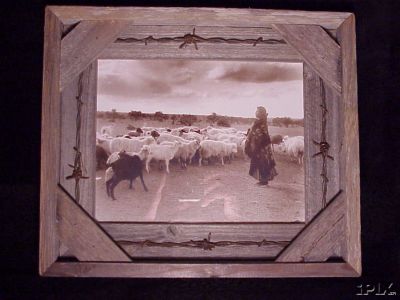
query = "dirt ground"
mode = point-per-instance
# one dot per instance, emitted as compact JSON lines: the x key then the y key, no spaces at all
{"x":210,"y":193}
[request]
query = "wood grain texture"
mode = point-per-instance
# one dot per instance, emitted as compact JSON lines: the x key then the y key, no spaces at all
{"x":350,"y":166}
{"x":64,"y":251}
{"x":333,"y":137}
{"x":313,"y":92}
{"x":83,"y":237}
{"x":319,"y":237}
{"x":186,"y":232}
{"x":329,"y":246}
{"x":68,"y":134}
{"x":50,"y":137}
{"x":87,"y":135}
{"x":138,"y":50}
{"x":317,"y":48}
{"x":160,"y":31}
{"x":205,"y":51}
{"x":81,"y":46}
{"x":88,"y":138}
{"x":256,"y":269}
{"x":199,"y":16}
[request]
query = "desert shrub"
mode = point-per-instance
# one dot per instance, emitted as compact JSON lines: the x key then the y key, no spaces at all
{"x":159,"y":116}
{"x":284,"y":121}
{"x":187,"y":120}
{"x":108,"y":114}
{"x":112,"y":115}
{"x":298,"y":122}
{"x":120,"y":116}
{"x":134,"y":115}
{"x":147,"y":116}
{"x":174,"y":118}
{"x":223,"y":121}
{"x":212,"y":118}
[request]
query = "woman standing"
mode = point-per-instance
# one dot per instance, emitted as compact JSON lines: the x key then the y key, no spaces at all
{"x":258,"y":148}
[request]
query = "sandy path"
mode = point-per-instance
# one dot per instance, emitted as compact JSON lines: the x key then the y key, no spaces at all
{"x":211,"y":193}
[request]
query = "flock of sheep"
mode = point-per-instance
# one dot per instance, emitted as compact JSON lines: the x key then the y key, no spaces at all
{"x":124,"y":156}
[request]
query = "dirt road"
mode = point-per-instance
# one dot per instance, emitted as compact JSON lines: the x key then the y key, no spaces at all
{"x":211,"y":193}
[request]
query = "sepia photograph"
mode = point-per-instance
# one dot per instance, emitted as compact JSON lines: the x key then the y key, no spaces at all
{"x":188,"y":142}
{"x":199,"y":141}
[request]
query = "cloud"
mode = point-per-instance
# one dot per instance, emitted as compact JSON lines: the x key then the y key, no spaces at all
{"x":121,"y":86}
{"x":155,"y":87}
{"x":146,"y":77}
{"x":257,"y":73}
{"x":189,"y":86}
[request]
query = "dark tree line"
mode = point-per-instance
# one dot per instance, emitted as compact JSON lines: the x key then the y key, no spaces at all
{"x":184,"y":119}
{"x":188,"y":119}
{"x":223,"y":121}
{"x":286,"y":122}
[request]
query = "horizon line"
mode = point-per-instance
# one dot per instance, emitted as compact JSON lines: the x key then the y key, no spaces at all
{"x":127,"y":112}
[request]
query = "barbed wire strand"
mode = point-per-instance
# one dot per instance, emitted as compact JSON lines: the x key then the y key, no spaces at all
{"x":323,"y":145}
{"x":77,"y":172}
{"x":193,"y":38}
{"x":205,"y":244}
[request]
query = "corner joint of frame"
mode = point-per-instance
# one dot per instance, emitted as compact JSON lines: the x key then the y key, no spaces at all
{"x":355,"y":269}
{"x":44,"y":270}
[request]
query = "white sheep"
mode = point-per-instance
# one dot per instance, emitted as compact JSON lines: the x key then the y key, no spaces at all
{"x":147,"y":128}
{"x":186,"y":152}
{"x":164,"y":152}
{"x":294,"y":147}
{"x":194,"y":129}
{"x":232,"y":138}
{"x":210,"y":148}
{"x":138,"y":132}
{"x":230,"y":130}
{"x":192,"y":136}
{"x":175,"y":132}
{"x":104,"y":142}
{"x":230,"y":148}
{"x":211,"y":131}
{"x":166,"y":137}
{"x":144,"y":151}
{"x":184,"y":128}
{"x":130,"y":145}
{"x":241,"y":149}
{"x":214,"y":131}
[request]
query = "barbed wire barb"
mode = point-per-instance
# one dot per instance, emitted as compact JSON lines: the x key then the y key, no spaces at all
{"x":195,"y":39}
{"x":78,"y":166}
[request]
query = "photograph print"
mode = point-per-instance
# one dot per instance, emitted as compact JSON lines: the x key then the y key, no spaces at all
{"x":199,"y":141}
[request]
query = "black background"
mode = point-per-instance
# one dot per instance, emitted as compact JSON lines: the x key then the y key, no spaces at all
{"x":378,"y":80}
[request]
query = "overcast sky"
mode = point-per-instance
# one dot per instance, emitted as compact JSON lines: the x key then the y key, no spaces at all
{"x":201,"y":87}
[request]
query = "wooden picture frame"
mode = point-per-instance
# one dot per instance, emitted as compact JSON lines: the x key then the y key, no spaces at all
{"x":327,"y":244}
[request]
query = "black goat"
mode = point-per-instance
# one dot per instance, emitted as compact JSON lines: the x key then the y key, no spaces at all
{"x":155,"y":134}
{"x":125,"y":168}
{"x":101,"y":158}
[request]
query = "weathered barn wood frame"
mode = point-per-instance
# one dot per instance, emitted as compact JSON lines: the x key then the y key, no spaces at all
{"x":76,"y":37}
